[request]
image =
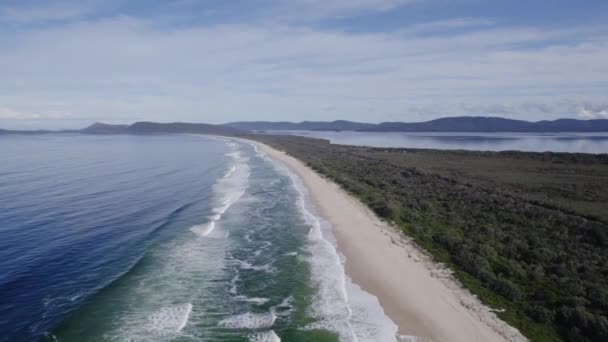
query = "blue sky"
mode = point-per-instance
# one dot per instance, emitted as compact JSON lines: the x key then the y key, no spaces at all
{"x":69,"y":63}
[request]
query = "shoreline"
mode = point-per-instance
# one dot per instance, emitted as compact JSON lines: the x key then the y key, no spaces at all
{"x":419,"y":295}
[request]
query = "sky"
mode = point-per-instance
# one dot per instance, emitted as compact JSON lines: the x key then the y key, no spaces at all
{"x":68,"y":63}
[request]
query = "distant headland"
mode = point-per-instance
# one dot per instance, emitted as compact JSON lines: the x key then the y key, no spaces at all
{"x":448,"y":124}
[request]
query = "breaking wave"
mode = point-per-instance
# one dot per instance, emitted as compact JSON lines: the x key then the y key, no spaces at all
{"x":228,"y":190}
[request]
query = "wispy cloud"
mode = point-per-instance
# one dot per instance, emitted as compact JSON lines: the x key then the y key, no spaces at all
{"x":307,"y":10}
{"x":593,"y":111}
{"x":447,"y":26}
{"x":122,"y":67}
{"x":13,"y":114}
{"x":50,"y":11}
{"x":9,"y":113}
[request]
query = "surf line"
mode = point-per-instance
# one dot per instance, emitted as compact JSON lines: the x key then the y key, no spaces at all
{"x":354,"y":314}
{"x":228,"y":189}
{"x":318,"y":240}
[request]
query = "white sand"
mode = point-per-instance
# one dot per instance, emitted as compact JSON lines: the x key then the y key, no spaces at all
{"x":419,"y":295}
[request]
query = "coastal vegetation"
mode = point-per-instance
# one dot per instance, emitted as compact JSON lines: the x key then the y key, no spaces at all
{"x":526,"y":232}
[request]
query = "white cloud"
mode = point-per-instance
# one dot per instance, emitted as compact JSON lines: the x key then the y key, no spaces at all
{"x":593,"y":111}
{"x":9,"y":113}
{"x":446,"y":25}
{"x":350,"y":5}
{"x":13,"y":114}
{"x":55,"y":10}
{"x":122,"y":68}
{"x":307,"y":10}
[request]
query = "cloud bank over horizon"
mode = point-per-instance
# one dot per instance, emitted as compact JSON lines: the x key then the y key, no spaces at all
{"x":69,"y":63}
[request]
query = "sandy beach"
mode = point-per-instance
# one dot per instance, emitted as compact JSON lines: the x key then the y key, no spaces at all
{"x":419,"y":295}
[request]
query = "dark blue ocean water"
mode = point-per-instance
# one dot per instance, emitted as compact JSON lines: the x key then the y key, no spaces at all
{"x":167,"y":238}
{"x":78,"y":211}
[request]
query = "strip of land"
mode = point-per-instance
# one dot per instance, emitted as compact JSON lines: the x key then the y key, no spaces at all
{"x":420,"y":296}
{"x":525,"y":232}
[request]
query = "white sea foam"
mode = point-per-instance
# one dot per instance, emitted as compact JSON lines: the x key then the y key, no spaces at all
{"x":286,"y":302}
{"x":261,"y":249}
{"x":266,"y":336}
{"x":410,"y":338}
{"x":230,"y":172}
{"x":250,"y":320}
{"x":228,"y":190}
{"x":248,"y":266}
{"x":169,"y":320}
{"x":255,"y":300}
{"x":203,"y":229}
{"x":331,"y":305}
{"x":285,"y":308}
{"x":233,"y":283}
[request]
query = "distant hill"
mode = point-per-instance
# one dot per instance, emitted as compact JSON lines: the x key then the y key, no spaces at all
{"x":145,"y":128}
{"x":493,"y":124}
{"x":101,"y":128}
{"x":457,"y":124}
{"x":338,"y":125}
{"x":450,"y":124}
{"x":181,"y":127}
{"x":9,"y":131}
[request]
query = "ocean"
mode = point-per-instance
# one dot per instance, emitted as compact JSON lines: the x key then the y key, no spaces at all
{"x":530,"y":142}
{"x":167,"y":238}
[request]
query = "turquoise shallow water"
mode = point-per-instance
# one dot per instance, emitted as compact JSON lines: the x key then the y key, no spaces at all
{"x":167,"y":238}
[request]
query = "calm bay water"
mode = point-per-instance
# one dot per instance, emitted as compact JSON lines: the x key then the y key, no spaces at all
{"x":532,"y":142}
{"x":167,"y":238}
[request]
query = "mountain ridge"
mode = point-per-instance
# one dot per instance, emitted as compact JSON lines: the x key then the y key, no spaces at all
{"x":143,"y":127}
{"x":448,"y":124}
{"x":337,"y":125}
